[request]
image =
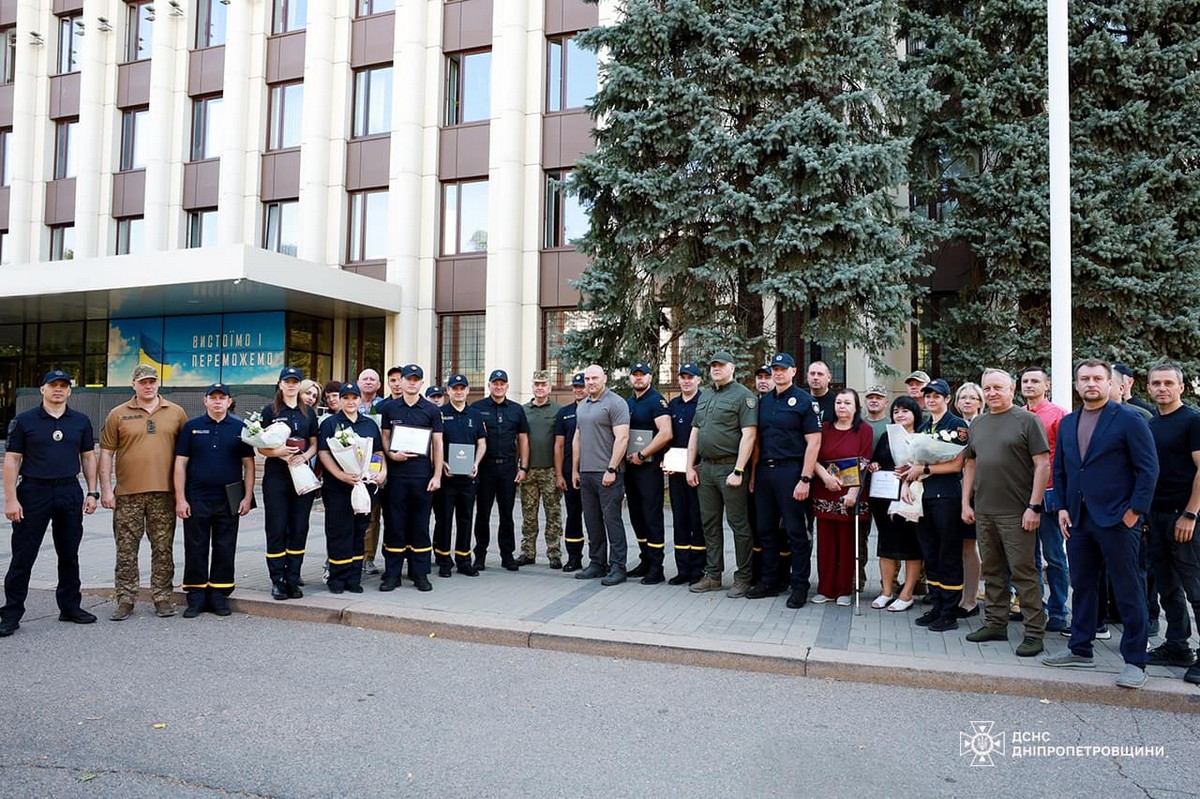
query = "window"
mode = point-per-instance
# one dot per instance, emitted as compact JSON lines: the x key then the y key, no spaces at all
{"x":5,"y":258}
{"x":5,"y":156}
{"x":64,"y":152}
{"x":281,"y":227}
{"x":460,"y":347}
{"x":62,"y":242}
{"x":369,"y":7}
{"x":139,"y":35}
{"x":468,"y":87}
{"x":464,"y":217}
{"x":8,"y":40}
{"x":372,"y":101}
{"x":287,"y":104}
{"x":555,"y":325}
{"x":131,"y":235}
{"x":368,"y":226}
{"x":289,"y":15}
{"x":202,"y":228}
{"x":70,"y":43}
{"x":206,"y":124}
{"x":210,"y":23}
{"x":566,"y":219}
{"x":133,"y":139}
{"x":570,"y":74}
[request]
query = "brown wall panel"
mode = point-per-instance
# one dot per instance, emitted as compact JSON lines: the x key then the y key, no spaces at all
{"x":285,"y":57}
{"x":568,"y":16}
{"x":564,"y":138}
{"x":368,"y":163}
{"x":280,"y":175}
{"x":60,"y":201}
{"x":372,"y":40}
{"x":64,"y":96}
{"x":6,"y":105}
{"x":133,"y":84}
{"x":463,"y":151}
{"x":461,"y":284}
{"x":129,"y":193}
{"x":466,"y":25}
{"x":206,"y":71}
{"x":4,"y":199}
{"x":67,"y":6}
{"x":557,"y":267}
{"x":377,"y":271}
{"x":201,"y":182}
{"x":8,"y":12}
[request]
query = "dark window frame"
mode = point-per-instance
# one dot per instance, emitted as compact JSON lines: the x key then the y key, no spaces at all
{"x":58,"y":242}
{"x":559,"y":62}
{"x":369,"y":8}
{"x":124,"y":233}
{"x":277,"y":101}
{"x":201,"y":117}
{"x":361,"y":110}
{"x":273,"y":228}
{"x":451,"y":332}
{"x":208,"y":34}
{"x":139,"y":14}
{"x":197,"y":227}
{"x":455,"y":87}
{"x":456,"y":187}
{"x":130,"y":129}
{"x":70,"y":46}
{"x":357,"y":231}
{"x":64,"y":157}
{"x":8,"y":59}
{"x":281,"y":13}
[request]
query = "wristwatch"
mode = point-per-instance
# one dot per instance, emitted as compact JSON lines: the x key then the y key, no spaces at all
{"x":738,"y":471}
{"x":806,"y":478}
{"x":611,"y":470}
{"x":1187,"y":514}
{"x":927,"y":468}
{"x":96,"y":495}
{"x":1036,"y":508}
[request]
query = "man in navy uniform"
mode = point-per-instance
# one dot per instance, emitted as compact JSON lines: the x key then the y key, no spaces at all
{"x":210,"y":456}
{"x":461,"y":424}
{"x":644,"y":477}
{"x":685,"y":502}
{"x":413,"y":477}
{"x":564,"y":435}
{"x":501,"y":470}
{"x":46,"y":448}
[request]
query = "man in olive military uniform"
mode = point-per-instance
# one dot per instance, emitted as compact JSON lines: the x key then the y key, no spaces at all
{"x":719,"y":450}
{"x":643,"y":477}
{"x":564,"y":436}
{"x":539,"y":481}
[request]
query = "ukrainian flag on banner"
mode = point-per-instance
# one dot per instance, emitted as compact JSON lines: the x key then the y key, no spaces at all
{"x":151,"y":351}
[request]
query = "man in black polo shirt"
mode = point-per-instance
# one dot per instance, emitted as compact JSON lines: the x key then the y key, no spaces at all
{"x":564,"y":435}
{"x":789,"y":438}
{"x":46,"y":448}
{"x":413,"y":476}
{"x":643,"y":477}
{"x":210,"y":457}
{"x":461,"y":425}
{"x":685,"y":502}
{"x":501,"y":470}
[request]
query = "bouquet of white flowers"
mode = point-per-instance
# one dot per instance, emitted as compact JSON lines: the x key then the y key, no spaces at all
{"x":353,"y":454}
{"x":274,"y":435}
{"x":924,"y":448}
{"x":304,"y":479}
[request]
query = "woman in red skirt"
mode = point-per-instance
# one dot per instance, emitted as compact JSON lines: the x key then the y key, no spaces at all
{"x":838,"y":497}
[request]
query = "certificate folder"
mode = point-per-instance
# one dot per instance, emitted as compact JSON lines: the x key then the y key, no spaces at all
{"x":460,"y":458}
{"x":675,"y":460}
{"x":638,"y":440}
{"x":411,"y":439}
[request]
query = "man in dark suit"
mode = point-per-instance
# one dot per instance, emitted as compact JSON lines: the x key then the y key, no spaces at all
{"x":1106,"y":468}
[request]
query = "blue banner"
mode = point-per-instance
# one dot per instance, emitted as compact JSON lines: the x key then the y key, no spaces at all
{"x":239,"y":349}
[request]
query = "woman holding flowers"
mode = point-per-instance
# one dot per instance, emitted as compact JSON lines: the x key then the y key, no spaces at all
{"x":897,"y":535}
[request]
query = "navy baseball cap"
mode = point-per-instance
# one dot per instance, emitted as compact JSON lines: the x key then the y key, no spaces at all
{"x":765,"y":369}
{"x":689,"y":368}
{"x":457,"y":379}
{"x":218,"y":388}
{"x":291,"y":373}
{"x":434,"y":391}
{"x":1123,"y":369}
{"x":56,"y":374}
{"x":498,"y":374}
{"x":411,"y":370}
{"x":784,"y":360}
{"x":349,"y":388}
{"x":578,"y":380}
{"x":938,"y":386}
{"x":640,"y":366}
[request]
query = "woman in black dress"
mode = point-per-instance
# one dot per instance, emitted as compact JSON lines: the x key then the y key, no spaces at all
{"x":897,"y":536}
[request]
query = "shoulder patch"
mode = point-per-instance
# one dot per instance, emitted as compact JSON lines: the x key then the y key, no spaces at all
{"x":751,"y":402}
{"x":662,"y":402}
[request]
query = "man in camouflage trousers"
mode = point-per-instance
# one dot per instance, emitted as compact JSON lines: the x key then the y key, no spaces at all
{"x":539,"y":480}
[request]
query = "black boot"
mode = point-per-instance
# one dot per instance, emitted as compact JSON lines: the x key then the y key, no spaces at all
{"x":196,"y":599}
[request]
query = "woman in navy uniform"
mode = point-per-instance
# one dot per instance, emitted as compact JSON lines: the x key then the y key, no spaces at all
{"x":285,"y":513}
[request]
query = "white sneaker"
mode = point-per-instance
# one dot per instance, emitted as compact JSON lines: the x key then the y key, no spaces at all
{"x":844,"y":601}
{"x":818,"y":599}
{"x":369,"y":567}
{"x":881,"y":601}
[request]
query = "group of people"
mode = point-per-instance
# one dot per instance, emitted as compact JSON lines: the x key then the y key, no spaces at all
{"x":1104,"y":489}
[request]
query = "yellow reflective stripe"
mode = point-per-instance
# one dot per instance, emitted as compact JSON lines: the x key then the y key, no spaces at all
{"x":357,"y":557}
{"x":641,"y":540}
{"x":220,"y":585}
{"x":276,"y":554}
{"x":573,"y":540}
{"x":422,"y":549}
{"x":295,"y":551}
{"x":442,"y":551}
{"x":757,"y":549}
{"x":785,"y":554}
{"x":344,"y":562}
{"x":943,"y":585}
{"x":656,"y":546}
{"x":466,"y":553}
{"x":395,"y":549}
{"x":200,"y":585}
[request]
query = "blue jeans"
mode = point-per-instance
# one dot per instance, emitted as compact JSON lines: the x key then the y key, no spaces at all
{"x":1052,"y":549}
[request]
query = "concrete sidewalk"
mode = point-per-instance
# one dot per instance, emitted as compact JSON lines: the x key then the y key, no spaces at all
{"x":542,"y":608}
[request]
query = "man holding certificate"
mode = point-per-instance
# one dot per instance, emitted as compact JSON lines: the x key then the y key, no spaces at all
{"x":412,"y":440}
{"x":649,"y":436}
{"x":465,"y":444}
{"x":685,"y":502}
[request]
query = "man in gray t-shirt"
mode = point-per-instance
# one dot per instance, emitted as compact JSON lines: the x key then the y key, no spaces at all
{"x":601,"y":437}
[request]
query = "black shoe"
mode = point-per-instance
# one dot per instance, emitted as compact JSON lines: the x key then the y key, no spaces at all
{"x":963,"y":613}
{"x":467,"y":570}
{"x":927,"y":618}
{"x":761,"y":591}
{"x":1016,"y":615}
{"x":336,"y":589}
{"x":421,"y":581}
{"x":8,"y":627}
{"x":445,"y":571}
{"x":480,"y":563}
{"x":510,"y":564}
{"x":1192,"y":675}
{"x":525,"y":560}
{"x":195,"y":604}
{"x":279,"y":591}
{"x":218,"y":605}
{"x":191,"y":612}
{"x":572,"y":565}
{"x":943,"y":623}
{"x":294,"y":591}
{"x":679,"y":579}
{"x":354,"y":589}
{"x":1171,"y":655}
{"x":77,"y":616}
{"x":654,"y":578}
{"x":616,"y":575}
{"x":640,"y":570}
{"x":300,"y":582}
{"x":797,"y":598}
{"x":592,"y":571}
{"x":556,"y":563}
{"x":388,"y":584}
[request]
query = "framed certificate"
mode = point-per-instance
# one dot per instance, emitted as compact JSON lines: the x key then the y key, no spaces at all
{"x":638,"y":440}
{"x":846,"y":469}
{"x":675,"y":460}
{"x":460,"y":459}
{"x":885,"y":485}
{"x":410,"y":439}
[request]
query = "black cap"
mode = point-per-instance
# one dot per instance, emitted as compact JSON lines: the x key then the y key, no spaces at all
{"x":577,"y":379}
{"x":220,"y":388}
{"x":498,"y":374}
{"x":457,"y":379}
{"x":1123,"y":369}
{"x":55,"y":374}
{"x":411,"y":370}
{"x":291,"y":373}
{"x":689,"y":368}
{"x":765,"y":369}
{"x":349,"y":388}
{"x":640,"y":366}
{"x":938,"y":386}
{"x":434,"y":391}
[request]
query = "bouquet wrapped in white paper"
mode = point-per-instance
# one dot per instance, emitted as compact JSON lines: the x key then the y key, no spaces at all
{"x":304,"y":479}
{"x":353,"y":454}
{"x":924,"y":448}
{"x":254,"y":434}
{"x":909,"y":511}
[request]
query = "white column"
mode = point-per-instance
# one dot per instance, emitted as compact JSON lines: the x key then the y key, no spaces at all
{"x":27,"y":196}
{"x":506,"y":190}
{"x":167,"y":128}
{"x":1060,"y":203}
{"x":90,"y":134}
{"x":428,"y":237}
{"x":238,"y":124}
{"x":320,"y":106}
{"x":529,"y":352}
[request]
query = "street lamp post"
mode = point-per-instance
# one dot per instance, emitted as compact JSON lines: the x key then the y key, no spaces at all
{"x":1060,"y":203}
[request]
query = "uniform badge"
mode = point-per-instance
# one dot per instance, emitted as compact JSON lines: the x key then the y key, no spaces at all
{"x":792,"y":402}
{"x":57,"y":435}
{"x":751,"y":402}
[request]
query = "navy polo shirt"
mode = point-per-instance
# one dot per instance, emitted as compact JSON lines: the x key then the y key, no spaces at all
{"x":504,"y":421}
{"x":50,"y":447}
{"x":682,"y":412}
{"x":461,"y":427}
{"x":422,"y":413}
{"x":942,"y":485}
{"x":564,"y":425}
{"x":645,"y":410}
{"x":214,"y":451}
{"x":783,"y":421}
{"x":304,"y":425}
{"x":362,"y":427}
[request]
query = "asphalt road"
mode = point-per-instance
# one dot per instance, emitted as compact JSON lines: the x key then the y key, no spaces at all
{"x":247,"y":706}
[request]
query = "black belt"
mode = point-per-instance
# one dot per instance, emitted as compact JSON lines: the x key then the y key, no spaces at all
{"x":771,"y":463}
{"x":57,"y":481}
{"x":499,"y":461}
{"x":730,"y":459}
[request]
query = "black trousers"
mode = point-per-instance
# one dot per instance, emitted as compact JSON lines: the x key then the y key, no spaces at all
{"x":285,"y":521}
{"x":940,"y":535}
{"x":690,"y":551}
{"x":59,"y":504}
{"x":786,"y":548}
{"x":457,"y":496}
{"x":644,"y":494}
{"x":211,"y":529}
{"x":573,"y":524}
{"x":406,"y":508}
{"x":345,"y":531}
{"x":497,"y":485}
